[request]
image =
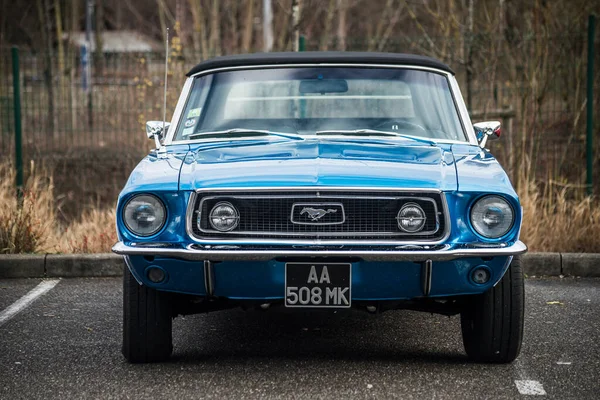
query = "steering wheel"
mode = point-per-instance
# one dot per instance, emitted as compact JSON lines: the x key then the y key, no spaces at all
{"x":394,"y":125}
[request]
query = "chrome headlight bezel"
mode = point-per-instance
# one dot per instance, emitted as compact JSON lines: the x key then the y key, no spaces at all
{"x":154,"y":203}
{"x":235,"y":216}
{"x":480,"y":227}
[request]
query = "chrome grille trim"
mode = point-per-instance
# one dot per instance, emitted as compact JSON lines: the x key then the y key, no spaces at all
{"x":306,"y":234}
{"x":302,"y":239}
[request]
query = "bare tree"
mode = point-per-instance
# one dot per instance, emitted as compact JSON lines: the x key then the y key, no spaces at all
{"x":296,"y":11}
{"x":267,"y":25}
{"x":383,"y":22}
{"x":325,"y":37}
{"x":98,"y":36}
{"x":73,"y":27}
{"x":161,"y":17}
{"x":248,"y":26}
{"x":232,"y":26}
{"x":342,"y":7}
{"x":469,"y":53}
{"x":43,"y":9}
{"x":199,"y":34}
{"x":59,"y":40}
{"x":215,"y":29}
{"x":166,"y":18}
{"x":382,"y":41}
{"x":61,"y":50}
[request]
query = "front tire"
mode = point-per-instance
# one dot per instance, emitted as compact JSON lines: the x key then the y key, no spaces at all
{"x":147,"y":322}
{"x":492,"y":323}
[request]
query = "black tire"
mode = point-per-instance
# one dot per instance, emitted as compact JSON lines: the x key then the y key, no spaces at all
{"x":492,"y":323}
{"x":147,"y":322}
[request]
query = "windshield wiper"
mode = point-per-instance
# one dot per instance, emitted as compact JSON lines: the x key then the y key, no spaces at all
{"x":242,"y":132}
{"x":372,"y":132}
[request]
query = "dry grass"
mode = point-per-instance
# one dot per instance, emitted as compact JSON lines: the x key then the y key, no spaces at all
{"x":94,"y":232}
{"x":35,"y":228}
{"x":25,"y":229}
{"x":555,"y":219}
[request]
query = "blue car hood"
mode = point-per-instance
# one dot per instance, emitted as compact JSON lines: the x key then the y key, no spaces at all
{"x":479,"y":171}
{"x":393,"y":163}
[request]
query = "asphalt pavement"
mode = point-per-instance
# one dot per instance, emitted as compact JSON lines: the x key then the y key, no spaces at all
{"x":63,"y":341}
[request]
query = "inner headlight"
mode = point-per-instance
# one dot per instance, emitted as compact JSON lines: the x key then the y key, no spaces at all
{"x":492,"y":216}
{"x":144,"y":215}
{"x":224,"y":217}
{"x":411,"y":218}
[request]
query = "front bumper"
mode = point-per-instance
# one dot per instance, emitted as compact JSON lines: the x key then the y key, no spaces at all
{"x":259,"y":274}
{"x":196,"y":252}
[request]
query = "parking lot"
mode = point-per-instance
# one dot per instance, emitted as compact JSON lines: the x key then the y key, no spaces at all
{"x":66,"y":344}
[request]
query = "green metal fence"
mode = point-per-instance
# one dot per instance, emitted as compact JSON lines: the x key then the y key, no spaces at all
{"x":58,"y":115}
{"x":539,"y":92}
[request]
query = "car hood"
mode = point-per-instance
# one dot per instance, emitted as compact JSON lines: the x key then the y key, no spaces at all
{"x":478,"y":171}
{"x":270,"y":162}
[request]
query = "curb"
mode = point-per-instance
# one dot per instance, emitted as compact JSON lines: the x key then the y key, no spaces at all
{"x":105,"y":265}
{"x":60,"y":265}
{"x":83,"y":265}
{"x":549,"y":264}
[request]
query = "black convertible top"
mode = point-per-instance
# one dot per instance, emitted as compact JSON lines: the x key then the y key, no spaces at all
{"x":318,"y":57}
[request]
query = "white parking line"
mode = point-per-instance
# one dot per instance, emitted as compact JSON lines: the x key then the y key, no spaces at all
{"x":530,"y":388}
{"x":524,"y":385}
{"x":26,"y":300}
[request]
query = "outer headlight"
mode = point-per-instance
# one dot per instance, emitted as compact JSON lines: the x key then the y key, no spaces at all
{"x":144,"y":215}
{"x":224,"y":217}
{"x":411,"y":218}
{"x":492,"y":216}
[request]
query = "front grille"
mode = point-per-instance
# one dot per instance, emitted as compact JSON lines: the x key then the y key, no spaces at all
{"x":283,"y":215}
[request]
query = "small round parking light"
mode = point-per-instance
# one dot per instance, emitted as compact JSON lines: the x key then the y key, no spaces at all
{"x":480,"y":275}
{"x":411,"y":218}
{"x":224,"y":217}
{"x":156,"y":275}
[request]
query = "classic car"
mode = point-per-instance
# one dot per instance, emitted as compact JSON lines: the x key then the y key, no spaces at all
{"x":321,"y":180}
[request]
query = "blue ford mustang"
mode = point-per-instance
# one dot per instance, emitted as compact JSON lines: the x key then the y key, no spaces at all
{"x":321,"y":180}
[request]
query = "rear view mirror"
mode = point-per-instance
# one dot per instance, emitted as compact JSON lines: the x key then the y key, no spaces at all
{"x":485,"y":131}
{"x":323,"y":86}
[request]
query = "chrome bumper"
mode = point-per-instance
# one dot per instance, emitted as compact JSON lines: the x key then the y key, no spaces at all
{"x":240,"y":254}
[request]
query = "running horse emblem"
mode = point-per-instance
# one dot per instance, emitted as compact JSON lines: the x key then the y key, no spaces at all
{"x":316,"y":213}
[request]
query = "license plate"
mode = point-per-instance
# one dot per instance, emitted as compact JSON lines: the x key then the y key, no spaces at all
{"x":318,"y":285}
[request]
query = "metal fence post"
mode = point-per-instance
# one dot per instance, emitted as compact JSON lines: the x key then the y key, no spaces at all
{"x":301,"y":43}
{"x":17,"y":110}
{"x":590,"y":106}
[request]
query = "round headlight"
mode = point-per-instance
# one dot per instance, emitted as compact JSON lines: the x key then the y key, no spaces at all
{"x":411,"y":218}
{"x":144,"y":215}
{"x":224,"y":217}
{"x":492,"y":217}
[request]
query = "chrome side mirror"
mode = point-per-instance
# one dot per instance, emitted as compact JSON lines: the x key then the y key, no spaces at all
{"x":154,"y":130}
{"x":489,"y":130}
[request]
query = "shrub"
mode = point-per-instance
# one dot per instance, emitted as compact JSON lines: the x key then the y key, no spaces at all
{"x":94,"y":232}
{"x":26,"y":223}
{"x":557,"y":220}
{"x":31,"y":226}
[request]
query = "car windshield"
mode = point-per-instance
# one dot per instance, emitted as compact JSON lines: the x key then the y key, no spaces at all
{"x":322,"y":101}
